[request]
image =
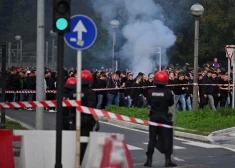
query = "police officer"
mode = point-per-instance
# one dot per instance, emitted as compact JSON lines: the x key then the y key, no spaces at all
{"x":88,"y":99}
{"x":159,"y":99}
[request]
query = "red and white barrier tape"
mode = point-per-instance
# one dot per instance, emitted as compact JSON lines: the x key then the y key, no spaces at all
{"x":34,"y":104}
{"x":143,"y":87}
{"x":75,"y":103}
{"x":28,"y":91}
{"x":104,"y":89}
{"x":87,"y":110}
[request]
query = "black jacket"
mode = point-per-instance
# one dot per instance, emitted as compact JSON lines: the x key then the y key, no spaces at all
{"x":13,"y":82}
{"x":159,"y":99}
{"x":216,"y":89}
{"x":31,"y":82}
{"x":178,"y":89}
{"x":207,"y":89}
{"x":101,"y":84}
{"x":127,"y":92}
{"x":136,"y":92}
{"x":171,"y":82}
{"x":145,"y":90}
{"x":123,"y":80}
{"x":112,"y":84}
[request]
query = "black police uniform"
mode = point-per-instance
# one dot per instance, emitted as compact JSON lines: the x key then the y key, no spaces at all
{"x":88,"y":99}
{"x":159,"y":99}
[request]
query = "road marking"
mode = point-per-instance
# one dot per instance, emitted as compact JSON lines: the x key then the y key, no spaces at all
{"x":200,"y":144}
{"x":123,"y":127}
{"x":175,"y":147}
{"x":130,"y":147}
{"x":179,"y":147}
{"x":180,"y":139}
{"x":178,"y":159}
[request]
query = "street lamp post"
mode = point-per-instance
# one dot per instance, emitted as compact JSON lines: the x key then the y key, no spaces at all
{"x":19,"y":51}
{"x":197,"y":11}
{"x":114,"y":24}
{"x":160,"y":57}
{"x":53,"y":35}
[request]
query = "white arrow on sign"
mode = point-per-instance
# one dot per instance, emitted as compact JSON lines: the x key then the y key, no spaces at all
{"x":80,"y":28}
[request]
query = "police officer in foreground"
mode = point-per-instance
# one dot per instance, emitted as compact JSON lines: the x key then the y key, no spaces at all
{"x":159,"y":99}
{"x":88,"y":99}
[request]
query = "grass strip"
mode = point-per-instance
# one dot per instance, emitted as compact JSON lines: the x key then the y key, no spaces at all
{"x":14,"y":125}
{"x":204,"y":120}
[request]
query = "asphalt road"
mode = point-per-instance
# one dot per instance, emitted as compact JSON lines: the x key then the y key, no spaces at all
{"x":186,"y":153}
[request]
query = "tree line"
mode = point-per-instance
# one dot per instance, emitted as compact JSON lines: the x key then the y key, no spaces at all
{"x":18,"y":17}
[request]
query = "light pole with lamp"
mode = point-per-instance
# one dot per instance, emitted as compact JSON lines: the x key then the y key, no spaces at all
{"x":115,"y":25}
{"x":160,"y":57}
{"x":53,"y":35}
{"x":18,"y":38}
{"x":196,"y":10}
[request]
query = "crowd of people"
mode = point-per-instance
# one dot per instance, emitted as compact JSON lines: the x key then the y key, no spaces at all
{"x":124,"y":89}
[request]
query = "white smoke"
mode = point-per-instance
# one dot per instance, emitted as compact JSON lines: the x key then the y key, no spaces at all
{"x":143,"y":29}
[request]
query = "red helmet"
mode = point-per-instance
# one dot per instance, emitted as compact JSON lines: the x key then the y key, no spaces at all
{"x":86,"y":77}
{"x":71,"y":83}
{"x":161,"y":77}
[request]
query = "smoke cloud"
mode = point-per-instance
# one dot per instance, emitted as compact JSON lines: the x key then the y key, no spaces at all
{"x":143,"y":29}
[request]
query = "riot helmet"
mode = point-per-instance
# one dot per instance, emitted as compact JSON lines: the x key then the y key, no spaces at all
{"x":161,"y":78}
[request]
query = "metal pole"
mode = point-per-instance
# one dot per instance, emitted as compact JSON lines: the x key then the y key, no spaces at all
{"x":4,"y":55}
{"x":228,"y":69}
{"x":60,"y":87}
{"x":53,"y":53}
{"x":40,"y":63}
{"x":195,"y":80}
{"x":46,"y":53}
{"x":17,"y":53}
{"x":78,"y":115}
{"x":160,"y":59}
{"x":116,"y":64}
{"x":233,"y":95}
{"x":9,"y":55}
{"x":21,"y":52}
{"x":113,"y":51}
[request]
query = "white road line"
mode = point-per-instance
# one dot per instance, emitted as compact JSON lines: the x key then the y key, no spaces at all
{"x":179,"y":147}
{"x":123,"y":127}
{"x":130,"y":147}
{"x":178,"y":159}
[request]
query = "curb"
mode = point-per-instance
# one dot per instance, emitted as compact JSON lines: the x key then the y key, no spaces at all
{"x":23,"y":124}
{"x":223,"y":131}
{"x":145,"y":128}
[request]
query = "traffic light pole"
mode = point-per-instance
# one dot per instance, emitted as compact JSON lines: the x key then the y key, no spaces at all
{"x":4,"y":55}
{"x":60,"y":86}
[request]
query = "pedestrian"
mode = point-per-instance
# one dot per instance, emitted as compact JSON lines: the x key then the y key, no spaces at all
{"x":160,"y":99}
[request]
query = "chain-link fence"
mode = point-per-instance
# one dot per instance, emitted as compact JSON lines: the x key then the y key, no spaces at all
{"x":27,"y":59}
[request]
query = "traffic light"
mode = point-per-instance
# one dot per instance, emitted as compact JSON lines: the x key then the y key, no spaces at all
{"x":61,"y":16}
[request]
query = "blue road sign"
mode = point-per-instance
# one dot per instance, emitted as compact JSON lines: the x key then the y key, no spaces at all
{"x":83,"y":32}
